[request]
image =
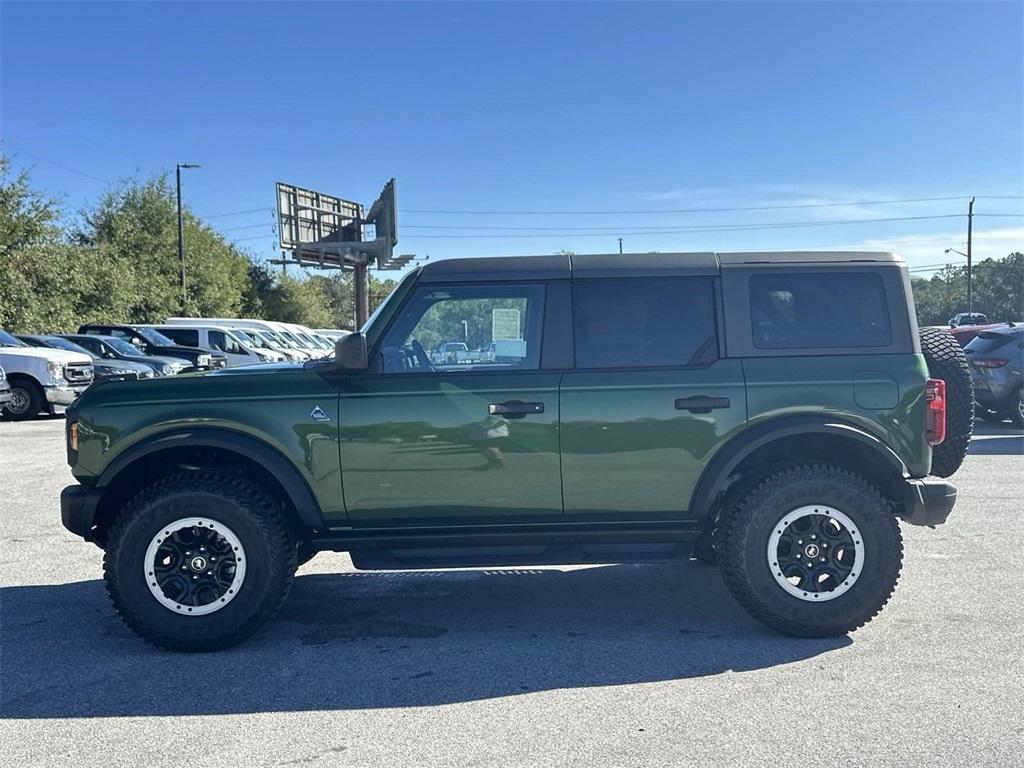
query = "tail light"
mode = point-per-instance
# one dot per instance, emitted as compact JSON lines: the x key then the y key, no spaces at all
{"x":935,"y":415}
{"x":991,"y":363}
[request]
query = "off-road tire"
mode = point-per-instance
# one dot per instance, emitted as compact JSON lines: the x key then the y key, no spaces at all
{"x":746,"y":529}
{"x":946,"y":360}
{"x":33,"y":396}
{"x":231,"y":500}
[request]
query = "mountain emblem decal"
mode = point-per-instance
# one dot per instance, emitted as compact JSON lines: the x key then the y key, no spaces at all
{"x":318,"y":415}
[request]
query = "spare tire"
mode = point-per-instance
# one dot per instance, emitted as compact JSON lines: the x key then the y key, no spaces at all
{"x":946,"y":360}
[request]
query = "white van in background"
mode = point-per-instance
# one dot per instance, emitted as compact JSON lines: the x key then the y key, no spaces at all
{"x":266,"y":330}
{"x":221,"y":338}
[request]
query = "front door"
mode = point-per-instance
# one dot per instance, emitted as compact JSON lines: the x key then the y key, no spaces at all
{"x":649,"y":400}
{"x":455,"y":424}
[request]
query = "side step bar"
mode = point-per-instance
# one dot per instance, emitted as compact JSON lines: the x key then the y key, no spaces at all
{"x":455,"y":548}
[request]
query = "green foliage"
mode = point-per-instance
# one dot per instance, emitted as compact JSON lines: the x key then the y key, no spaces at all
{"x":135,"y":226}
{"x":998,"y":291}
{"x":26,"y":216}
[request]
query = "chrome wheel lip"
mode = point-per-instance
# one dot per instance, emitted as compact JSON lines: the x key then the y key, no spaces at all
{"x":194,"y":522}
{"x":825,"y":511}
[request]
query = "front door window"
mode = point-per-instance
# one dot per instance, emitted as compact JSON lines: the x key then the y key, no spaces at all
{"x":466,"y":328}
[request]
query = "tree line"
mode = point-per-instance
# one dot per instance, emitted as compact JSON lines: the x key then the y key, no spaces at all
{"x":118,"y":262}
{"x":998,"y":291}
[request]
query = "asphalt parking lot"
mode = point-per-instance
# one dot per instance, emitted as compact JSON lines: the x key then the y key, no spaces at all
{"x":609,"y":665}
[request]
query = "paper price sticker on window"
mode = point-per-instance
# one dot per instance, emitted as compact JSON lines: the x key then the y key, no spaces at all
{"x":505,"y":324}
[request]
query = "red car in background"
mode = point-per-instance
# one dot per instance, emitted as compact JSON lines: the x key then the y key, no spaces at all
{"x":966,"y":333}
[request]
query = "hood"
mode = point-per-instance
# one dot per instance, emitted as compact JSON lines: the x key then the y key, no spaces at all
{"x":255,"y":368}
{"x":177,"y":349}
{"x":128,"y":365}
{"x":46,"y":353}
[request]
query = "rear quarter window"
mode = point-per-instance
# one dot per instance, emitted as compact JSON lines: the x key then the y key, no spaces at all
{"x":824,"y":310}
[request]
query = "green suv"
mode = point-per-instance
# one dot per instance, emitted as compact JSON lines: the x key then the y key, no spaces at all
{"x":772,"y":412}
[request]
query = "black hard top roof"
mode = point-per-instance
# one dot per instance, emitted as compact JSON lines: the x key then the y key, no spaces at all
{"x":563,"y":266}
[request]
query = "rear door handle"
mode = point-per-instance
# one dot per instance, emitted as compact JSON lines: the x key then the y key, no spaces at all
{"x":701,"y":403}
{"x":514,"y":409}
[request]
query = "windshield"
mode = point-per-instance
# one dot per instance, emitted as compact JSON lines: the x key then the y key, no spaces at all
{"x":6,"y":340}
{"x":154,"y":337}
{"x":58,"y":343}
{"x":291,"y":340}
{"x":409,"y":277}
{"x":252,"y":338}
{"x":122,"y":347}
{"x":311,"y":342}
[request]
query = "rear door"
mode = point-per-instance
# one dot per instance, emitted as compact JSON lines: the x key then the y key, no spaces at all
{"x":649,"y":400}
{"x":436,"y":439}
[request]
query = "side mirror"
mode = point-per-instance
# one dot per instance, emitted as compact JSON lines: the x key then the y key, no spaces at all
{"x":350,"y":353}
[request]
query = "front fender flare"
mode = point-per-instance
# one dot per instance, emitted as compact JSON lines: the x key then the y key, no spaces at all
{"x":280,"y":468}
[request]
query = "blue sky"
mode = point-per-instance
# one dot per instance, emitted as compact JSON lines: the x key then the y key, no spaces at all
{"x":543,"y":107}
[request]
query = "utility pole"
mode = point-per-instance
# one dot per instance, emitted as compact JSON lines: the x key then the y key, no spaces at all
{"x":362,"y":299}
{"x":620,"y":246}
{"x":970,"y":281}
{"x":181,"y":236}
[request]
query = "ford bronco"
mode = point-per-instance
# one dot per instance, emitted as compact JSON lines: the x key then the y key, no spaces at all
{"x":777,"y":413}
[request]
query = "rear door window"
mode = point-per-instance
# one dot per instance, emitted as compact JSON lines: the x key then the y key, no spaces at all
{"x":644,"y":322}
{"x":824,"y":310}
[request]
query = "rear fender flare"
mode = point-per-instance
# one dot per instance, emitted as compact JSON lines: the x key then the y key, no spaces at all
{"x":715,"y":479}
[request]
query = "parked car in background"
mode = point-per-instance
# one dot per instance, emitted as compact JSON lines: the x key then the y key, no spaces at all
{"x":115,"y":349}
{"x":966,"y":333}
{"x":103,"y":370}
{"x":5,"y":390}
{"x":996,"y":360}
{"x":41,"y":379}
{"x":154,"y":343}
{"x":252,"y":338}
{"x":332,"y":334}
{"x":450,"y":353}
{"x":967,"y":318}
{"x":221,"y":339}
{"x":266,"y":330}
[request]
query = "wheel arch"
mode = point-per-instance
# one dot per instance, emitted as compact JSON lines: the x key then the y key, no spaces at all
{"x":782,"y":441}
{"x":201,"y":447}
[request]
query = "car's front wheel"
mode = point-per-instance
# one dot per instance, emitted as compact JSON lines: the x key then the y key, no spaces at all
{"x":26,"y":402}
{"x":812,"y":551}
{"x":199,"y":561}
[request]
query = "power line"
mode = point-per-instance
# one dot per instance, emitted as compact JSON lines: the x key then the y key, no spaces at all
{"x":699,"y":229}
{"x":648,"y":211}
{"x":247,"y":226}
{"x":239,"y":213}
{"x":721,"y":227}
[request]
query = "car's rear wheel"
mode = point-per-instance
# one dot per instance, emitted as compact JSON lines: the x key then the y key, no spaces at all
{"x":198,"y":561}
{"x":1016,"y":409}
{"x":946,"y":360}
{"x":812,"y":551}
{"x":26,"y":400}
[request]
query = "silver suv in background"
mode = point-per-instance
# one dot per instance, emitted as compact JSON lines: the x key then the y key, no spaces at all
{"x":996,"y":360}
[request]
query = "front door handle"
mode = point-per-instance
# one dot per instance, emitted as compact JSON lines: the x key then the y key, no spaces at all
{"x":514,"y":409}
{"x":701,"y":403}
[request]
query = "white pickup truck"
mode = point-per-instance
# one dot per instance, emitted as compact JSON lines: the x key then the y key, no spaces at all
{"x":41,"y":379}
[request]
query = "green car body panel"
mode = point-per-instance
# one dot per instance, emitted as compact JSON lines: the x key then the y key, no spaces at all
{"x":422,"y":450}
{"x":271,"y":404}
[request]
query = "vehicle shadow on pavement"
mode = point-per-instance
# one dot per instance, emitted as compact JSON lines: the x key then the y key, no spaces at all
{"x":996,"y":440}
{"x":391,"y":639}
